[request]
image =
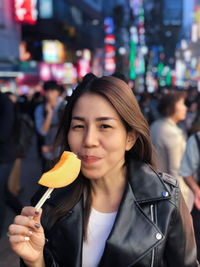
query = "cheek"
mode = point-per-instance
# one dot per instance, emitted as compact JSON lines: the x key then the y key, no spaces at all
{"x":70,"y":140}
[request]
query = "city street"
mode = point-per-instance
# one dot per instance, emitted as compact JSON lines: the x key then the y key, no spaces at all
{"x":30,"y":173}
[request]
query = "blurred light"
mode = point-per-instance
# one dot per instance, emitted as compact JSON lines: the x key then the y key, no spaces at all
{"x":25,"y":11}
{"x":194,"y":33}
{"x":10,"y":73}
{"x":46,"y":9}
{"x":162,"y":83}
{"x":69,"y":91}
{"x":184,"y":44}
{"x":168,"y":33}
{"x":86,"y":54}
{"x":171,"y":60}
{"x":133,"y":30}
{"x":193,"y":62}
{"x":95,"y":22}
{"x":177,"y":54}
{"x":109,"y":39}
{"x":187,"y":55}
{"x":53,"y":51}
{"x":78,"y":53}
{"x":154,"y":69}
{"x":144,"y":50}
{"x":108,"y":25}
{"x":122,"y":50}
{"x":165,"y":70}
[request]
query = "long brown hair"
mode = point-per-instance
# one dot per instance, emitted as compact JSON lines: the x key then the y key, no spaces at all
{"x":121,"y":97}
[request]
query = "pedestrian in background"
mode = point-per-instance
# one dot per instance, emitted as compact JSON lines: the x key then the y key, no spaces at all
{"x":47,"y":116}
{"x":190,"y":171}
{"x":8,"y":155}
{"x":120,"y":211}
{"x":168,"y":139}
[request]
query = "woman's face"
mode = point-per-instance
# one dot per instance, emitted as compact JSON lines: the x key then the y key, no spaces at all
{"x":98,"y":137}
{"x":180,"y":111}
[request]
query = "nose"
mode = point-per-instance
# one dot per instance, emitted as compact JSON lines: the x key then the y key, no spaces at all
{"x":90,"y":137}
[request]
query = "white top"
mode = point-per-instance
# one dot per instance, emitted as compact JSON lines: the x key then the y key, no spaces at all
{"x":99,"y":227}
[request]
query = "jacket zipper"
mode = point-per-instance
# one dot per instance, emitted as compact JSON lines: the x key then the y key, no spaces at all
{"x":152,"y":218}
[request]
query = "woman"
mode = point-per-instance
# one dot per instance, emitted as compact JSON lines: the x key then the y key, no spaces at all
{"x":168,"y":139}
{"x":190,"y":171}
{"x":119,"y":212}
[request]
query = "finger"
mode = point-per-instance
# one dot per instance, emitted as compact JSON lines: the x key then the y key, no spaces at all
{"x":30,"y":211}
{"x":18,"y":238}
{"x":28,"y":222}
{"x":19,"y":230}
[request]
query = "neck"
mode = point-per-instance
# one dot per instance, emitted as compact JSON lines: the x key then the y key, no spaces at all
{"x":107,"y":193}
{"x":173,"y":118}
{"x":54,"y":102}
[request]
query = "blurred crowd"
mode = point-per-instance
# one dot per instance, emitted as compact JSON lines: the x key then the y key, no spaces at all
{"x":173,"y":116}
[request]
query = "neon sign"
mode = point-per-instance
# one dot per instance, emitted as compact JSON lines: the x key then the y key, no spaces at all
{"x":25,"y":11}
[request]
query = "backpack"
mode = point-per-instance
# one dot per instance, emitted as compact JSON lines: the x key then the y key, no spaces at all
{"x":23,"y":131}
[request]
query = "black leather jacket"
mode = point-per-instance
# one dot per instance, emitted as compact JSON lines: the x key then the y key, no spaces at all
{"x":153,"y":227}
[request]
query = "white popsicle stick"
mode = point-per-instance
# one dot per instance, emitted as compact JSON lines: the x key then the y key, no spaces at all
{"x":44,"y":198}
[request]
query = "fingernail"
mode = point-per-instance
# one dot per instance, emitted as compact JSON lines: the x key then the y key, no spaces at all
{"x":37,"y":212}
{"x":26,"y":238}
{"x":37,"y":225}
{"x":30,"y":232}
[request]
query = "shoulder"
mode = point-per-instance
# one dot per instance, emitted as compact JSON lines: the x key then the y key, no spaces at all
{"x":192,"y":142}
{"x":149,"y":185}
{"x":168,"y":179}
{"x":39,"y":108}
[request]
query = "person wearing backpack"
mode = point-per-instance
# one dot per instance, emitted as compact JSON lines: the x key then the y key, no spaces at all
{"x":190,"y":171}
{"x":47,"y":116}
{"x":8,"y":155}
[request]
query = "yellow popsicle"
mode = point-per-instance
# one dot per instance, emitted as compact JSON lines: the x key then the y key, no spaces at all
{"x":62,"y":174}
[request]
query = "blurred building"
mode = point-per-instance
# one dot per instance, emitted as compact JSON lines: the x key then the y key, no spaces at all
{"x":10,"y":38}
{"x":10,"y":35}
{"x":188,"y":17}
{"x":77,"y":24}
{"x":163,"y":25}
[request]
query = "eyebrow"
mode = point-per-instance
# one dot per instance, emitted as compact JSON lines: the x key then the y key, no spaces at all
{"x":97,"y":119}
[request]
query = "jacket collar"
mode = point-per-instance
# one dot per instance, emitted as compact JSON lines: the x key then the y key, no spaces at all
{"x":147,"y":185}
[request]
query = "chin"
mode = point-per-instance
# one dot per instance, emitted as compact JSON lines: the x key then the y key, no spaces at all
{"x":91,"y":175}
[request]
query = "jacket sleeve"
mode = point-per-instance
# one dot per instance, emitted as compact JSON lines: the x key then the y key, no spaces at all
{"x":181,"y":236}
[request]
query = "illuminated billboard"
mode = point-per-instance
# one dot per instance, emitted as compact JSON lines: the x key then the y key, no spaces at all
{"x":53,"y":51}
{"x":25,"y":11}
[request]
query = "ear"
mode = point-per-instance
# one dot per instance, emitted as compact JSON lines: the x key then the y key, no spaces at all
{"x":130,"y":141}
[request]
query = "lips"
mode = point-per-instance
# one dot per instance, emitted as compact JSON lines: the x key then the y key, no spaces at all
{"x":89,"y":159}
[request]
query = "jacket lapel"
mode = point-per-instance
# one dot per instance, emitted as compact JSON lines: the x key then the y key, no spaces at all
{"x":69,"y":233}
{"x":132,"y":236}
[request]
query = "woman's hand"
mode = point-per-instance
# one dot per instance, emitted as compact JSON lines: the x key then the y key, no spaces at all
{"x":26,"y":236}
{"x":197,"y":199}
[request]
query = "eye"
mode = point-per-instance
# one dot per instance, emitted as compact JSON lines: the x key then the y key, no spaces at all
{"x":105,"y":126}
{"x":77,"y":126}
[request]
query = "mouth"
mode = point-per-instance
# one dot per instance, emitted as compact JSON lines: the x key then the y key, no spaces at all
{"x":89,"y":159}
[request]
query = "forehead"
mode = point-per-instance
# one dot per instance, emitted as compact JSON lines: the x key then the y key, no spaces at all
{"x":93,"y":103}
{"x":51,"y":91}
